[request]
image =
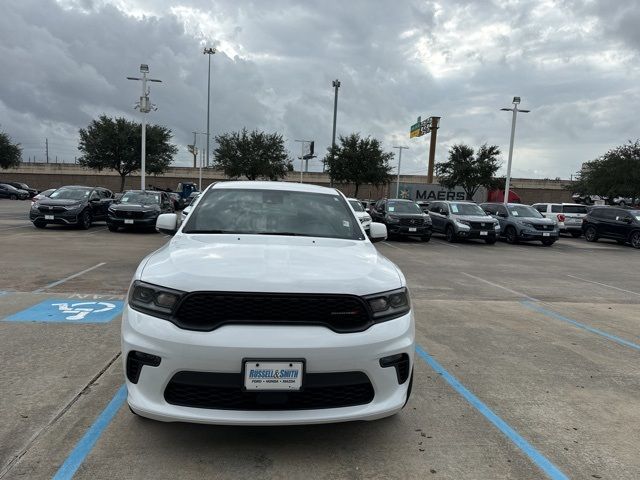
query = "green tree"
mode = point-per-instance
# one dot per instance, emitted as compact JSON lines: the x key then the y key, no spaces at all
{"x":359,"y":161}
{"x":617,"y":172}
{"x":469,"y":171}
{"x":10,"y":153}
{"x":254,"y":155}
{"x":115,"y":144}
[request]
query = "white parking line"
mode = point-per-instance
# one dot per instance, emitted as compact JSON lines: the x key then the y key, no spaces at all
{"x":520,"y":294}
{"x":13,"y":228}
{"x":445,"y":243}
{"x":97,"y":231}
{"x":392,"y":246}
{"x":604,"y":285}
{"x":54,"y":284}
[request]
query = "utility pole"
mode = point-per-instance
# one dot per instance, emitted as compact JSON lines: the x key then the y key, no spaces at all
{"x":46,"y":149}
{"x":208,"y":51}
{"x":516,"y":101}
{"x":434,"y":124}
{"x":336,"y":86}
{"x":145,"y":107}
{"x":400,"y":148}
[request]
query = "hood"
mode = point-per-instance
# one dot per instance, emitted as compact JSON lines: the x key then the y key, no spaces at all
{"x":536,"y":221}
{"x":53,"y":202}
{"x":258,"y":263}
{"x":475,"y":218}
{"x":134,"y":207}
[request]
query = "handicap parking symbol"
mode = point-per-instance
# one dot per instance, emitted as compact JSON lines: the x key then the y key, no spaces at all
{"x":69,"y":311}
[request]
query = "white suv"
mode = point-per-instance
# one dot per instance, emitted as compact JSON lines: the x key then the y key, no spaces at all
{"x":269,"y":306}
{"x":568,"y":216}
{"x":361,"y":215}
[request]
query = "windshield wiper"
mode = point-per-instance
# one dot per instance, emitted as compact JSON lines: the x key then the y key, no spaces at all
{"x":285,"y":234}
{"x":210,"y":231}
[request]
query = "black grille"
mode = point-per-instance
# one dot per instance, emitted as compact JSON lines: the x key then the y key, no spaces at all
{"x":224,"y":391}
{"x":542,"y":227}
{"x":45,"y":209}
{"x":481,"y":225}
{"x":128,"y":214}
{"x":411,"y":222}
{"x":207,"y":311}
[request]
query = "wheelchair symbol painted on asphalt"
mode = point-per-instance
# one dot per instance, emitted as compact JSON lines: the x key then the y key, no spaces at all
{"x":69,"y":311}
{"x":78,"y":311}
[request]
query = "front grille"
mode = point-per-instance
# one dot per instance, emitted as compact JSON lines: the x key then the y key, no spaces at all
{"x":128,"y":214}
{"x":207,"y":311}
{"x":481,"y":225}
{"x":224,"y":391}
{"x":45,"y":209}
{"x":411,"y":222}
{"x":543,"y":227}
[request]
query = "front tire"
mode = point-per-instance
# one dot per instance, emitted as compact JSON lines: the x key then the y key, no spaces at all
{"x":13,"y":197}
{"x":450,"y":234}
{"x":511,"y":235}
{"x":548,"y":242}
{"x":426,"y":238}
{"x":635,"y":240}
{"x":85,"y":220}
{"x":590,"y":234}
{"x":112,"y":228}
{"x":39,"y":224}
{"x":490,"y":241}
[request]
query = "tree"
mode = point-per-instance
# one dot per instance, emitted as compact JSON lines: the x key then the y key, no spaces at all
{"x":617,"y":172}
{"x":359,"y":161}
{"x":115,"y":144}
{"x":468,"y":171}
{"x":10,"y":153}
{"x":255,"y":155}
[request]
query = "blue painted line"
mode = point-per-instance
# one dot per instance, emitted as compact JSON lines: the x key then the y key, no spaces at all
{"x":68,"y":469}
{"x":553,"y":472}
{"x":60,"y":310}
{"x":550,"y":313}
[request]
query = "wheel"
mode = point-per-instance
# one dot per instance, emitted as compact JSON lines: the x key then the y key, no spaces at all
{"x":85,"y":220}
{"x":112,"y":228}
{"x":426,"y":238}
{"x":39,"y":224}
{"x":576,"y":234}
{"x":511,"y":235}
{"x":635,"y":239}
{"x":450,"y":234}
{"x":590,"y":234}
{"x":490,"y":241}
{"x":13,"y":197}
{"x":622,"y":203}
{"x":547,"y":242}
{"x":409,"y":389}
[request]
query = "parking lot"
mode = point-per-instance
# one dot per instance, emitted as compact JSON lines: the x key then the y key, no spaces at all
{"x":527,"y":368}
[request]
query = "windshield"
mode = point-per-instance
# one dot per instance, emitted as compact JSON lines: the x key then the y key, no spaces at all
{"x":404,"y":207}
{"x":71,"y":193}
{"x":635,"y":213}
{"x":466,"y":209}
{"x":143,"y":198}
{"x":357,"y":206}
{"x":273,"y":212}
{"x":574,"y":209}
{"x":524,"y":211}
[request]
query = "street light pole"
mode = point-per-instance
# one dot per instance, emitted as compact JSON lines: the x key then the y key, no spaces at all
{"x":336,"y":86}
{"x":399,"y":164}
{"x":208,"y":51}
{"x":515,"y":110}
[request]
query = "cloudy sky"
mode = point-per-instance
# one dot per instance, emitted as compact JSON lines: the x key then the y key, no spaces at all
{"x":574,"y":63}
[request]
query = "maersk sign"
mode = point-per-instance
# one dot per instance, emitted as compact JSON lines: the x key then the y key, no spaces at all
{"x":431,"y":192}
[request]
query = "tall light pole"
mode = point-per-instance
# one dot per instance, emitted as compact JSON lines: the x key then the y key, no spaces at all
{"x":208,"y":51}
{"x":336,"y":86}
{"x":515,"y":110}
{"x":399,"y":164}
{"x":145,"y":107}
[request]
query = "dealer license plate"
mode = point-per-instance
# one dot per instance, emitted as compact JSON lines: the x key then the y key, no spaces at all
{"x":259,"y":375}
{"x":413,"y":229}
{"x":128,"y":221}
{"x":484,"y":234}
{"x":546,"y":234}
{"x":48,"y":217}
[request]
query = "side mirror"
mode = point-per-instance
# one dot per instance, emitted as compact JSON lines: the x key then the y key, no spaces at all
{"x":167,"y":223}
{"x":377,"y":232}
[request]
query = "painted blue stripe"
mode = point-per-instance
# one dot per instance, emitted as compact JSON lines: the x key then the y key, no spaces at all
{"x":550,"y":313}
{"x":536,"y":457}
{"x":86,"y":443}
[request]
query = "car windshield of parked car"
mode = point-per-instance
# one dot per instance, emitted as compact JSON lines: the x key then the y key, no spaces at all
{"x":141,"y":198}
{"x":273,"y":212}
{"x":635,"y":213}
{"x":524,"y":211}
{"x":404,"y":207}
{"x":70,"y":194}
{"x":357,"y":206}
{"x":466,"y":209}
{"x":7,"y":187}
{"x":574,"y":209}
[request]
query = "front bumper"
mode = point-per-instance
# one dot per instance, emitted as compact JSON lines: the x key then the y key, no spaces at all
{"x":565,"y":227}
{"x":70,"y":217}
{"x":421,"y":231}
{"x":538,"y":235}
{"x":223,"y":351}
{"x":490,"y":233}
{"x":132,"y":222}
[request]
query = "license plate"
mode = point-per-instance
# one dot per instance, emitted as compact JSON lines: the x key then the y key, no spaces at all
{"x":484,"y":234}
{"x":48,"y":217}
{"x":413,"y":229}
{"x":128,"y":221}
{"x":546,"y":234}
{"x":259,"y":375}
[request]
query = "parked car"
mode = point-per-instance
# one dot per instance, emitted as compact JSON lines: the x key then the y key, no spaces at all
{"x":43,"y":194}
{"x":361,"y":215}
{"x":188,"y":208}
{"x":424,"y":206}
{"x":589,"y":199}
{"x":462,"y":220}
{"x":9,"y":191}
{"x":138,"y":208}
{"x":269,"y":306}
{"x":192,"y":196}
{"x":522,"y":223}
{"x":178,"y":201}
{"x":72,"y":205}
{"x":624,"y":201}
{"x":23,"y":186}
{"x":616,"y":223}
{"x":568,"y":215}
{"x":402,"y":218}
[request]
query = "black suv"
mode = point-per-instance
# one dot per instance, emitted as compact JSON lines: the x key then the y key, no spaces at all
{"x":402,"y":218}
{"x":72,"y":205}
{"x":615,"y":223}
{"x":138,"y":208}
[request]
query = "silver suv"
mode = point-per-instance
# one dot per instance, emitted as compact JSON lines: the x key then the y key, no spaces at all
{"x":459,"y":220}
{"x":522,"y":223}
{"x":568,"y":215}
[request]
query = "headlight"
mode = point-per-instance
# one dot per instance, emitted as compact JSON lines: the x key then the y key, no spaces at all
{"x":389,"y":305}
{"x":496,"y":226}
{"x":427,"y":220}
{"x":463,"y":223}
{"x":391,"y":219}
{"x":73,"y":207}
{"x":111,"y":208}
{"x":154,"y":300}
{"x":35,"y":205}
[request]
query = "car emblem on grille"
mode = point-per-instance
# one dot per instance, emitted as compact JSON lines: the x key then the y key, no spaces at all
{"x":482,"y":224}
{"x":412,"y":222}
{"x":50,"y":208}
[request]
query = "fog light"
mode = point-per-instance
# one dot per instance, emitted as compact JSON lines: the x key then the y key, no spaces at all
{"x":135,"y":362}
{"x":401,"y":363}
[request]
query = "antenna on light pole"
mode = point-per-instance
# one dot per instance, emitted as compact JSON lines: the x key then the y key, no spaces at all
{"x":145,"y":106}
{"x":515,"y":110}
{"x":400,"y":148}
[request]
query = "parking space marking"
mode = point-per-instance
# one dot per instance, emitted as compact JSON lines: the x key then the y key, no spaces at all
{"x":68,"y":311}
{"x":542,"y":462}
{"x":444,"y":243}
{"x":604,"y":285}
{"x":13,"y":228}
{"x":84,"y":446}
{"x":66,"y":279}
{"x":557,"y":316}
{"x":392,"y":246}
{"x":520,"y":294}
